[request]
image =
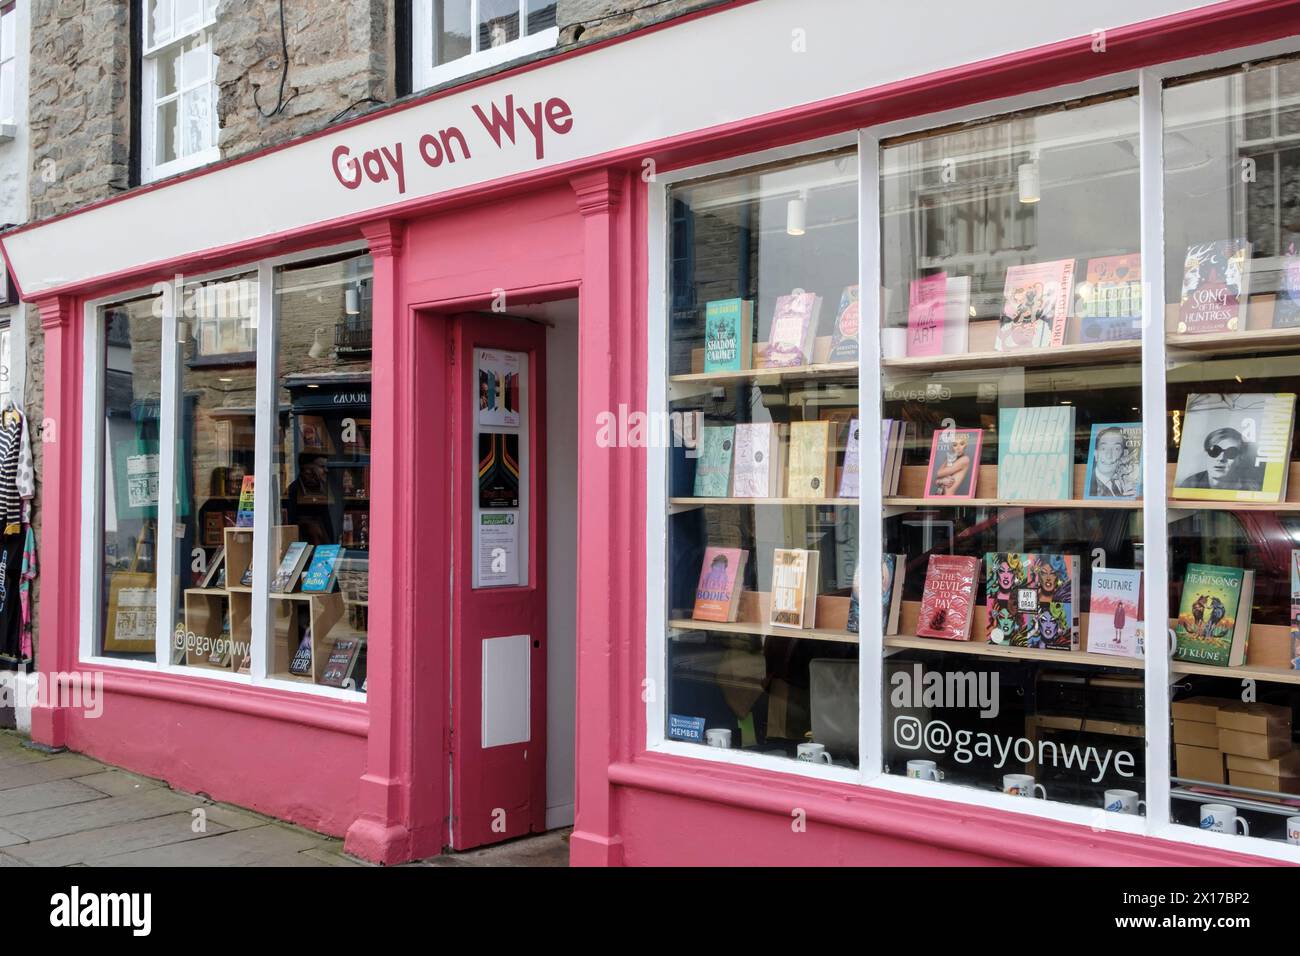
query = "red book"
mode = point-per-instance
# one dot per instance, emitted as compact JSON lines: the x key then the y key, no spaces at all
{"x":949,"y":597}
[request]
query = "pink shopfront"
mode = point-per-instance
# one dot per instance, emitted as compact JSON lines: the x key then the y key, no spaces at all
{"x":540,"y":402}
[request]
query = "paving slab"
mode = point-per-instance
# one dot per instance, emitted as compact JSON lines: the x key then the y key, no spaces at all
{"x":11,"y":839}
{"x":332,"y":856}
{"x":546,"y":849}
{"x":44,"y":796}
{"x":7,"y":860}
{"x":88,"y":845}
{"x":235,"y":819}
{"x":43,"y":824}
{"x":238,"y":848}
{"x":60,"y":767}
{"x":118,"y":783}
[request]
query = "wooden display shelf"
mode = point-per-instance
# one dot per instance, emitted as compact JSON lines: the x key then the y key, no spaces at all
{"x":1276,"y":675}
{"x":836,"y":502}
{"x":831,"y":616}
{"x":1087,"y":725}
{"x":911,"y":494}
{"x":1081,"y":354}
{"x":1258,"y":333}
{"x":820,"y":370}
{"x":1290,"y":504}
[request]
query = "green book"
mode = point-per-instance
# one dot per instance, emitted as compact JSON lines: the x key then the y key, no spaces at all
{"x":1213,"y":624}
{"x":728,"y":335}
{"x":713,"y":467}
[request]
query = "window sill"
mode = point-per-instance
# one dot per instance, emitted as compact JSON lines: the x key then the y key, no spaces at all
{"x":7,"y":132}
{"x":427,"y":77}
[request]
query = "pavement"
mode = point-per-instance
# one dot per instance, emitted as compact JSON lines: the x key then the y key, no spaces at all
{"x":69,"y":810}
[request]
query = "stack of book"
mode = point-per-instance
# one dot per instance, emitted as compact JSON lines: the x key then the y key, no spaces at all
{"x":893,"y":435}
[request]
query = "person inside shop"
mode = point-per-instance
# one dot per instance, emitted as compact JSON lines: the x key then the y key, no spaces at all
{"x":309,"y":501}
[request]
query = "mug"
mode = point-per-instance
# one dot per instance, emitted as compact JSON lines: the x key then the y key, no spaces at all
{"x":924,"y":770}
{"x":1123,"y":801}
{"x":1021,"y":785}
{"x":1293,"y":830}
{"x":1223,"y":819}
{"x":813,"y":753}
{"x":718,"y":737}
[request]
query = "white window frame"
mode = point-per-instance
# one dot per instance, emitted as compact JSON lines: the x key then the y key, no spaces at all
{"x":264,"y":515}
{"x":151,"y":48}
{"x":425,"y":73}
{"x":1148,"y":82}
{"x":9,"y":107}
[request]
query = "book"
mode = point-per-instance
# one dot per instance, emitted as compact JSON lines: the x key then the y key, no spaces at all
{"x":713,"y":466}
{"x":1032,"y":600}
{"x":728,"y":335}
{"x":1036,"y":453}
{"x":717,"y":596}
{"x":850,"y":474}
{"x":1216,"y":282}
{"x":1213,"y":625}
{"x":844,"y":337}
{"x":1114,"y":461}
{"x":1235,"y":447}
{"x":1115,"y":618}
{"x":757,"y":457}
{"x":313,"y":435}
{"x":339,"y":664}
{"x":1110,"y":299}
{"x":927,"y":310}
{"x":213,"y":525}
{"x":794,"y":588}
{"x":352,"y":575}
{"x":244,"y":517}
{"x":291,"y":565}
{"x":246,"y":579}
{"x":893,"y":569}
{"x":956,"y":324}
{"x":320,"y":573}
{"x":214,"y":569}
{"x":954,"y":463}
{"x":948,"y":597}
{"x":1286,"y":305}
{"x":1035,"y":305}
{"x":794,"y":329}
{"x":1295,"y":610}
{"x":811,"y":470}
{"x":300,"y":665}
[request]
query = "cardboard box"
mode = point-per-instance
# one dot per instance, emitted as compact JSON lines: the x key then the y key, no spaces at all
{"x":1284,"y":765}
{"x":1263,"y":781}
{"x":1201,"y":709}
{"x":1260,"y":746}
{"x":1196,"y":733}
{"x":1200,"y":763}
{"x":1270,"y":719}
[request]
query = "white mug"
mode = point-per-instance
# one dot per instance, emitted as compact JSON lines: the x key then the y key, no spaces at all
{"x":1222,"y":819}
{"x":1123,"y":801}
{"x":813,"y":753}
{"x":924,"y":770}
{"x":1021,"y":785}
{"x":1293,"y":830}
{"x":718,"y":737}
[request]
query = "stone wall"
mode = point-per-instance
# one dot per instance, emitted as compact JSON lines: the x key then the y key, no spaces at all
{"x":589,"y":20}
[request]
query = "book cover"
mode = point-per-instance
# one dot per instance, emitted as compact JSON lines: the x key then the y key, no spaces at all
{"x":1035,"y":306}
{"x":340,"y":662}
{"x":713,"y":467}
{"x":300,"y":665}
{"x":844,"y":337}
{"x":927,"y":309}
{"x":811,"y":459}
{"x":794,"y":588}
{"x":728,"y":335}
{"x":1215,"y":287}
{"x":717,"y":596}
{"x":1114,"y":461}
{"x":1110,"y":299}
{"x":291,"y":565}
{"x":1115,"y":619}
{"x":320,"y":573}
{"x":1286,"y":306}
{"x":1214,"y":615}
{"x":244,"y":517}
{"x":893,"y":570}
{"x":1031,"y":600}
{"x":1235,"y":447}
{"x":948,"y":598}
{"x":757,"y":459}
{"x":850,"y":475}
{"x":954,"y":463}
{"x":794,"y":327}
{"x":1036,"y":453}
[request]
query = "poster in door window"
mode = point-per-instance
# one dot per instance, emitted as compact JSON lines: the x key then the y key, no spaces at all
{"x":498,"y":470}
{"x":498,"y":387}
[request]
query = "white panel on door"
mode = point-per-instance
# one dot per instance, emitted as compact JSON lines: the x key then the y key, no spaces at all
{"x":506,"y":684}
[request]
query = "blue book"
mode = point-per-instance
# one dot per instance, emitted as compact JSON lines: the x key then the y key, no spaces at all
{"x":320,"y":575}
{"x":1036,"y":453}
{"x":1114,"y":461}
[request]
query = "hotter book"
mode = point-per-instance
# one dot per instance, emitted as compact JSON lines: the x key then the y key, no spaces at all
{"x":1216,"y":279}
{"x":1110,"y":299}
{"x":1213,"y":624}
{"x":728,"y":335}
{"x":1115,"y":624}
{"x":1036,"y":303}
{"x":717,"y":596}
{"x":948,"y":600}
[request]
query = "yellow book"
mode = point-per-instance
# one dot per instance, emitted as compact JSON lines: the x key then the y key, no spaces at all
{"x":812,"y":460}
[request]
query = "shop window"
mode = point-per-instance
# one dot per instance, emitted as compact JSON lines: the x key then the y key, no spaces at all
{"x":762,"y":544}
{"x":130,"y":370}
{"x":179,"y":90}
{"x":8,"y":67}
{"x":321,"y":535}
{"x":1232,"y":310}
{"x":456,"y":37}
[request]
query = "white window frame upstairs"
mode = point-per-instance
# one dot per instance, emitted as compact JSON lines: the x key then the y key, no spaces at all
{"x":264,"y":515}
{"x":1148,"y":84}
{"x":11,"y":58}
{"x":425,"y":73}
{"x":165,"y":40}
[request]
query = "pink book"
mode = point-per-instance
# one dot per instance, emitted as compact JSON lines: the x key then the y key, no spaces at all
{"x":954,"y":463}
{"x":927,"y":303}
{"x":1036,"y":304}
{"x":794,"y":327}
{"x":717,"y":596}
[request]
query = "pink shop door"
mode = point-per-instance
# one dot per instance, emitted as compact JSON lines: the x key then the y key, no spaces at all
{"x":498,"y":665}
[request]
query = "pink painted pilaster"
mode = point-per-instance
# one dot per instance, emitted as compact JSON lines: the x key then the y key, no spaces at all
{"x":382,"y":830}
{"x":59,"y":500}
{"x":612,"y":571}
